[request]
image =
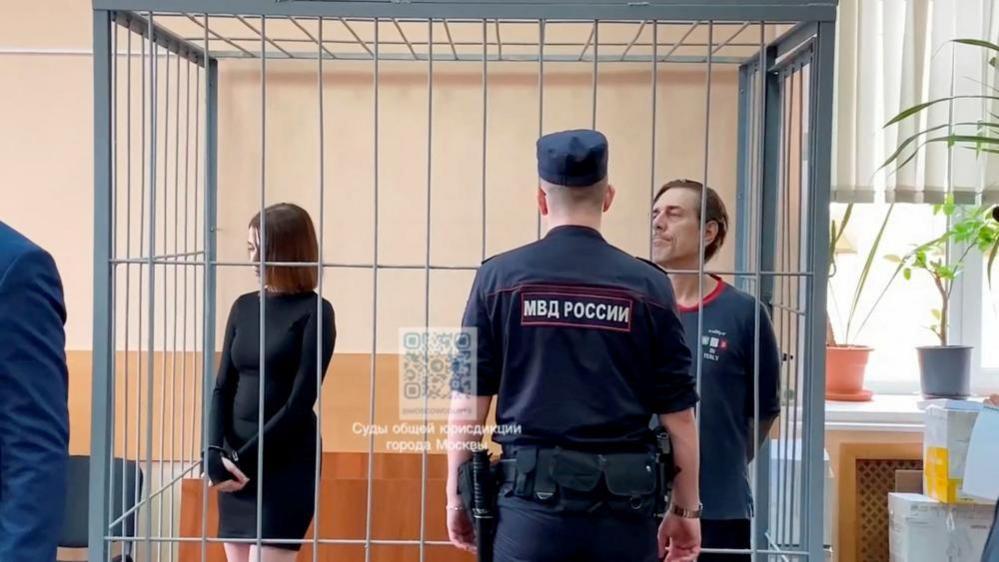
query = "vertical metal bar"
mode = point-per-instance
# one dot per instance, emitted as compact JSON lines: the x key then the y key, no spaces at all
{"x":102,"y":357}
{"x":596,"y":59}
{"x":761,"y":483}
{"x":785,"y":298}
{"x":485,"y":126}
{"x":654,"y":87}
{"x":187,"y":269}
{"x":128,"y":254}
{"x":198,"y":400}
{"x":798,"y":320}
{"x":166,"y":280}
{"x":262,"y":258}
{"x":319,"y":300}
{"x":541,"y":92}
{"x":374,"y":312}
{"x":742,"y":226}
{"x":139,"y":323}
{"x":702,"y":216}
{"x":113,"y":301}
{"x":820,"y":115}
{"x":769,"y":171}
{"x":426,"y":285}
{"x":784,"y":231}
{"x":743,"y":180}
{"x":173,"y":356}
{"x":151,"y":249}
{"x":210,"y":180}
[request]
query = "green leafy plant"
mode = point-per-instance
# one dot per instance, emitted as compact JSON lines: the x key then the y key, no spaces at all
{"x":943,"y":258}
{"x":981,"y":136}
{"x":836,"y":233}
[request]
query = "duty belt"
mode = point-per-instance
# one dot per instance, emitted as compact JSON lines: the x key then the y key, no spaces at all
{"x":581,"y":481}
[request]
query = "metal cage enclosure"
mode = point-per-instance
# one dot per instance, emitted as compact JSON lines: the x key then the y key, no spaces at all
{"x":159,"y":66}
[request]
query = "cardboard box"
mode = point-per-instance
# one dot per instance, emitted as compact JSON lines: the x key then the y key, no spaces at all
{"x":945,"y":448}
{"x":909,"y":481}
{"x":922,"y":529}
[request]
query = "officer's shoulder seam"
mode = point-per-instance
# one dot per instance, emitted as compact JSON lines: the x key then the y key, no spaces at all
{"x":653,"y":265}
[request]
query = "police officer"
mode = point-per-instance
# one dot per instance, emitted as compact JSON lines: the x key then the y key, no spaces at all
{"x":581,"y":343}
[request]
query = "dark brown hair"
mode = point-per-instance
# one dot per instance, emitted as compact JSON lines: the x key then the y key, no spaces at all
{"x":289,"y":237}
{"x":714,"y":209}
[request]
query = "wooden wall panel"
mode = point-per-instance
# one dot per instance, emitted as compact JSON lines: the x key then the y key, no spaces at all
{"x":342,"y":510}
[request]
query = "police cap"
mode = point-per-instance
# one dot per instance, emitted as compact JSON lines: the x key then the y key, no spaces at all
{"x":576,"y":158}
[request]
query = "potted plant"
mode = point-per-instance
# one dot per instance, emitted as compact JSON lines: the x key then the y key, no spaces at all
{"x":846,"y":360}
{"x":945,"y":369}
{"x":974,"y":228}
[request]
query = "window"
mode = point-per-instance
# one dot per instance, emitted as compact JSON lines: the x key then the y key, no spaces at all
{"x":901,"y":320}
{"x":990,"y":323}
{"x":978,"y":320}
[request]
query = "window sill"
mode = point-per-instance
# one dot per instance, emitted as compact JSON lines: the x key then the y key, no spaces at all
{"x":884,"y":412}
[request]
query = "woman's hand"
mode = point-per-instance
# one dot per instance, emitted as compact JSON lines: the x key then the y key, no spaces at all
{"x":993,"y":400}
{"x":234,"y":484}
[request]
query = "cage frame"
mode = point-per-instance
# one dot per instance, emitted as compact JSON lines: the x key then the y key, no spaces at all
{"x":813,"y":35}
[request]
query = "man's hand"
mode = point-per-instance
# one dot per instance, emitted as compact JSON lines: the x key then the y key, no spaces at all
{"x":236,"y":483}
{"x":460,"y":530}
{"x":992,"y":400}
{"x":679,"y":539}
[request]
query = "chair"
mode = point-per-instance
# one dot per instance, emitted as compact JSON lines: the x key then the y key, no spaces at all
{"x":75,"y":532}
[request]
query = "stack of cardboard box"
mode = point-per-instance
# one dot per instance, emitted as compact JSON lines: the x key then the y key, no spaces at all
{"x":941,"y":524}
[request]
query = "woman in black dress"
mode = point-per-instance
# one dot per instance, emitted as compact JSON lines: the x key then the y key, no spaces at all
{"x":292,"y":320}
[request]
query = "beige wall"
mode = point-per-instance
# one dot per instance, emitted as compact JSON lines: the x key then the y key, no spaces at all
{"x":45,"y":142}
{"x":624,"y":113}
{"x":46,"y":154}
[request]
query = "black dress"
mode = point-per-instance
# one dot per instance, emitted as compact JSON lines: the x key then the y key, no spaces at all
{"x":289,"y":430}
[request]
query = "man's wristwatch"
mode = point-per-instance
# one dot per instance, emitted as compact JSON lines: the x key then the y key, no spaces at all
{"x":686,"y":513}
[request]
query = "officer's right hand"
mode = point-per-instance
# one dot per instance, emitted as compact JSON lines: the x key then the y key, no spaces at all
{"x":460,"y":530}
{"x":679,"y":539}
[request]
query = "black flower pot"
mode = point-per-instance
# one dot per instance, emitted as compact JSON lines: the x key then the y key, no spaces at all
{"x":945,"y":371}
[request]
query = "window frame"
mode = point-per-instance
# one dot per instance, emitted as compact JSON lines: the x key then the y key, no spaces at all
{"x":966,"y":323}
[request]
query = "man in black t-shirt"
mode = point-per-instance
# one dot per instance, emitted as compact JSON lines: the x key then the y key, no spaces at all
{"x":736,"y":341}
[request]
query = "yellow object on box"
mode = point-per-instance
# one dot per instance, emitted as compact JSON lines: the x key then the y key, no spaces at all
{"x":945,"y":448}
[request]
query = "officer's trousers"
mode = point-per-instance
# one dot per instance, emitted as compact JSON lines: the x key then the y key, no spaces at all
{"x":532,"y":532}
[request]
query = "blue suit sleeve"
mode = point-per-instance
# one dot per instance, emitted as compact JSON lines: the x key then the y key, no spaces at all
{"x":484,"y":377}
{"x":673,"y":388}
{"x":769,"y":354}
{"x":34,"y":416}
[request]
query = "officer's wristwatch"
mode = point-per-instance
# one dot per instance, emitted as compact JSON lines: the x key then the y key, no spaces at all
{"x":686,"y":513}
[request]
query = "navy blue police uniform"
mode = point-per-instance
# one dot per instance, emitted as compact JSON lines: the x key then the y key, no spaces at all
{"x":581,"y":343}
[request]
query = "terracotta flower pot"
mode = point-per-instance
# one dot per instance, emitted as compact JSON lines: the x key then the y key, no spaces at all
{"x":845,"y":366}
